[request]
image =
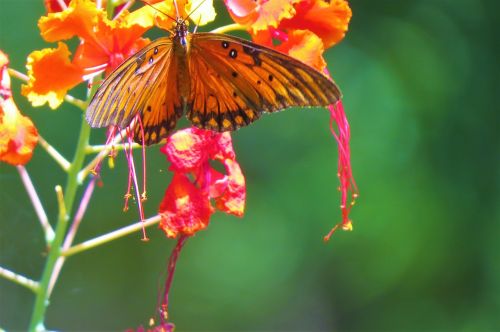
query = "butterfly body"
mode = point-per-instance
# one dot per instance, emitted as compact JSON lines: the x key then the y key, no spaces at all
{"x":221,"y":82}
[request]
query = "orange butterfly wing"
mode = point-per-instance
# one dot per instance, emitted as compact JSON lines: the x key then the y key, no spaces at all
{"x":140,"y":86}
{"x":233,"y":81}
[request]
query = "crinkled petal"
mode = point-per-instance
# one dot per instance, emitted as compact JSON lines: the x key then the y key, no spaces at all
{"x":51,"y":75}
{"x":103,"y":41}
{"x":218,"y":183}
{"x":329,"y":20}
{"x":232,"y":200}
{"x":185,"y":208}
{"x":260,"y":14}
{"x":305,"y":46}
{"x":90,"y":56}
{"x":189,"y":148}
{"x":222,"y":147}
{"x":122,"y":35}
{"x":79,"y":19}
{"x":18,"y":135}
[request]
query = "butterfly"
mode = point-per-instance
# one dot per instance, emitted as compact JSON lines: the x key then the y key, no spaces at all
{"x":220,"y":82}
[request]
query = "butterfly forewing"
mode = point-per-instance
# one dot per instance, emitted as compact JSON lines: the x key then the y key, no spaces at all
{"x":233,"y":81}
{"x":138,"y":86}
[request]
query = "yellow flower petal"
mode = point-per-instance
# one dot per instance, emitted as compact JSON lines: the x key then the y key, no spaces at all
{"x":201,"y":12}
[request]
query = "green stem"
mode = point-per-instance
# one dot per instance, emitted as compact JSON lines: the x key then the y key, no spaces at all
{"x":19,"y":279}
{"x":105,"y":238}
{"x":54,"y":153}
{"x":42,"y":297}
{"x":229,"y":27}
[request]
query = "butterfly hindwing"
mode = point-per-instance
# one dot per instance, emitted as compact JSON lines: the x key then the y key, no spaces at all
{"x":233,"y":81}
{"x":138,"y":86}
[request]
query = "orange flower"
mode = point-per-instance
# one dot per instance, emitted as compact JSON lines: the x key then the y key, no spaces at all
{"x":104,"y":44}
{"x":305,"y":28}
{"x":186,"y":207}
{"x":18,"y":135}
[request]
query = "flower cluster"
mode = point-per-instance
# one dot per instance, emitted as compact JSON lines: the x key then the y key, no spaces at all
{"x":302,"y":28}
{"x":104,"y":44}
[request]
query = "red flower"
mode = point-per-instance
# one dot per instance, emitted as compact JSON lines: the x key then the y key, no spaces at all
{"x":18,"y":135}
{"x":186,"y":207}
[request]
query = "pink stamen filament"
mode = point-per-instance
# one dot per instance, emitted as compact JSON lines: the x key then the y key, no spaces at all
{"x":136,"y":187}
{"x":126,"y":6}
{"x":347,"y":183}
{"x":342,"y":135}
{"x":143,"y":196}
{"x":109,"y":140}
{"x":129,"y":182}
{"x":62,"y":4}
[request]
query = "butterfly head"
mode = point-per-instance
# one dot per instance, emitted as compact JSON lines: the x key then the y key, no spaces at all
{"x":180,"y":31}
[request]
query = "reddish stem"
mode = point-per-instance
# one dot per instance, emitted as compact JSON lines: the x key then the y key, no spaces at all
{"x":170,"y":276}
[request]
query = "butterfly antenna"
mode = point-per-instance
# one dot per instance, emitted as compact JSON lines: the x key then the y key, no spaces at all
{"x":195,"y":9}
{"x":176,"y":8}
{"x":197,"y":25}
{"x":150,"y":5}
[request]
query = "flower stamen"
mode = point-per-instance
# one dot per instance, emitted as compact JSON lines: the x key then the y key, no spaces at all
{"x":344,"y":171}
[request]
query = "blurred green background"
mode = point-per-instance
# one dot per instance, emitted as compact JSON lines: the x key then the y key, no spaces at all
{"x":420,"y":81}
